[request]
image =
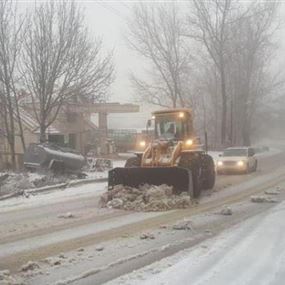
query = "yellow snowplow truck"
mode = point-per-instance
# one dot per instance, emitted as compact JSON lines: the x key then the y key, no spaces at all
{"x":174,"y":157}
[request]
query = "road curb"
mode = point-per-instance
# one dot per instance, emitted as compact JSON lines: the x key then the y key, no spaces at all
{"x":60,"y":186}
{"x":65,"y":185}
{"x":11,"y":195}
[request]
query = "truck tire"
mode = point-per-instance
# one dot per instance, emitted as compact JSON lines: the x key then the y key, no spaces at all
{"x":133,"y":162}
{"x":209,"y":174}
{"x":192,"y":163}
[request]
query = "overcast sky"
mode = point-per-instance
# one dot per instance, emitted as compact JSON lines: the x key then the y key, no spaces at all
{"x":108,"y":19}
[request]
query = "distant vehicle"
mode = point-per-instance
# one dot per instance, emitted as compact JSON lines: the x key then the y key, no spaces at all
{"x":237,"y":159}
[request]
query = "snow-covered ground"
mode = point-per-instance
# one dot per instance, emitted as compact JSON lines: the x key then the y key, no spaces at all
{"x":98,"y":188}
{"x":89,"y":245}
{"x":252,"y":252}
{"x":20,"y":202}
{"x":17,"y":182}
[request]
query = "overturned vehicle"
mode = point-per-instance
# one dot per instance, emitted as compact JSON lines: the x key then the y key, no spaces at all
{"x":52,"y":157}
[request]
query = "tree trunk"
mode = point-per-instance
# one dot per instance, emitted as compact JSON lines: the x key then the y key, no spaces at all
{"x":23,"y":140}
{"x":246,"y":134}
{"x":11,"y":135}
{"x":231,"y":135}
{"x":11,"y":142}
{"x":42,"y":133}
{"x":224,"y":106}
{"x":20,"y":127}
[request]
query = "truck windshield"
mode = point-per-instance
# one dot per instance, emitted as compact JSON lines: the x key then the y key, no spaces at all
{"x":235,"y":152}
{"x":170,"y":127}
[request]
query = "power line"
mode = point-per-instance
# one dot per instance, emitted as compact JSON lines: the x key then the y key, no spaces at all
{"x":110,"y":9}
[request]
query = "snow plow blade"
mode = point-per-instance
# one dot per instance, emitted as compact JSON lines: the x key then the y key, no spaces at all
{"x":179,"y":178}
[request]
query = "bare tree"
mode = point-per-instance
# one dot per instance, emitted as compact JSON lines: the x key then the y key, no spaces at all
{"x":156,"y":33}
{"x":209,"y":24}
{"x":250,"y":72}
{"x":60,"y":61}
{"x":11,"y":28}
{"x":210,"y":106}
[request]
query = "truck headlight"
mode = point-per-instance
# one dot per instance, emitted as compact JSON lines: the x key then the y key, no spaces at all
{"x":220,"y":163}
{"x":240,"y":163}
{"x":189,"y":142}
{"x":142,"y":143}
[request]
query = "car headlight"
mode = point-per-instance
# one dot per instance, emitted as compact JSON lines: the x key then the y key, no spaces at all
{"x":220,"y":163}
{"x":189,"y":142}
{"x":240,"y":163}
{"x":142,"y":143}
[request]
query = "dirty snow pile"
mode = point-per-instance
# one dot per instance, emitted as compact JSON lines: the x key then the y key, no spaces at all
{"x":145,"y":198}
{"x":51,"y":179}
{"x":14,"y":182}
{"x":7,"y":279}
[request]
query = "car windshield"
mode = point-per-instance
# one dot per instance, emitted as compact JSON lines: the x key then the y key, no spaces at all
{"x":170,"y":127}
{"x":235,"y":152}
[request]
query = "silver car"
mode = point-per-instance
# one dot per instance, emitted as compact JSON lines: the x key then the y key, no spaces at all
{"x":237,"y":160}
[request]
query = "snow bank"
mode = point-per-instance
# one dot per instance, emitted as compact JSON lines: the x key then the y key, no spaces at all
{"x":145,"y":198}
{"x":91,"y":190}
{"x":14,"y":183}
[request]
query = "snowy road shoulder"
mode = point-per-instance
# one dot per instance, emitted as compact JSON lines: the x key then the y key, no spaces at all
{"x":61,"y":195}
{"x":250,"y":253}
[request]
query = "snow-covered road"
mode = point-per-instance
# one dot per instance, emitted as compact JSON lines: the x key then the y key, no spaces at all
{"x":32,"y":228}
{"x":251,"y":253}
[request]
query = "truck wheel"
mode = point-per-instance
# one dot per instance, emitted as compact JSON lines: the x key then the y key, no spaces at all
{"x":133,"y":162}
{"x":192,"y":163}
{"x":209,"y":172}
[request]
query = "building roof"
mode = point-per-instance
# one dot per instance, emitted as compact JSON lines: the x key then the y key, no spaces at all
{"x":33,"y":125}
